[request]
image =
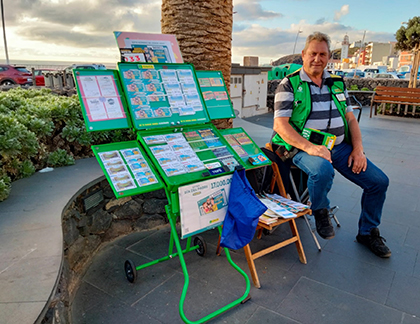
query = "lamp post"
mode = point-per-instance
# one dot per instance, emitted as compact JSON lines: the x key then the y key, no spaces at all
{"x":297,"y":35}
{"x":4,"y":33}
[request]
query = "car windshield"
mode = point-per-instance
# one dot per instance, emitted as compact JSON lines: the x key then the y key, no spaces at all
{"x":22,"y":69}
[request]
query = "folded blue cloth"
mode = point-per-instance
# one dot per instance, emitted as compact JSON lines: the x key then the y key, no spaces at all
{"x":244,"y":210}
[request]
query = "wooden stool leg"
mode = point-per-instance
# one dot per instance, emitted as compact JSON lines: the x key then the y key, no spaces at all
{"x":251,"y":266}
{"x":298,"y":243}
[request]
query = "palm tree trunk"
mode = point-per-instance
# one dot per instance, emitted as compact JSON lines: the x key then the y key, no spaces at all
{"x":204,"y":33}
{"x":414,"y":69}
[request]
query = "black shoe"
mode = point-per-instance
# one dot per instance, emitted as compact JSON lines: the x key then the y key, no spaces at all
{"x":375,"y":242}
{"x":323,"y":224}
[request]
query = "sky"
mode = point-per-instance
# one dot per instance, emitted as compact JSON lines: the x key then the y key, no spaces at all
{"x":82,"y":30}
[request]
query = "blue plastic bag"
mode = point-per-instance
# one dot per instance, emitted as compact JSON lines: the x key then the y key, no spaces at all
{"x":242,"y":215}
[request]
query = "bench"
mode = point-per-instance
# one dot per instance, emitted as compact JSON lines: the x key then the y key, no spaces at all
{"x":393,"y":95}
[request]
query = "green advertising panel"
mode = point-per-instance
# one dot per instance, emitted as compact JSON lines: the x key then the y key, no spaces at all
{"x":102,"y":99}
{"x":245,"y":147}
{"x":215,"y":94}
{"x":162,"y":95}
{"x":127,"y":168}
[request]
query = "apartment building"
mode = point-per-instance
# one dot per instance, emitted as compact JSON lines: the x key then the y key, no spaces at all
{"x":376,"y":51}
{"x":405,"y":58}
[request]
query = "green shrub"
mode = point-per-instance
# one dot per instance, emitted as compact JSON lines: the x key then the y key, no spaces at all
{"x":60,"y":158}
{"x":365,"y":89}
{"x":39,"y":128}
{"x":354,"y":87}
{"x":5,"y":187}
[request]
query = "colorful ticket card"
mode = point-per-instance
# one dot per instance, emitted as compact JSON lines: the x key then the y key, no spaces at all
{"x":185,"y":75}
{"x":168,"y":75}
{"x":242,"y":138}
{"x":204,"y":82}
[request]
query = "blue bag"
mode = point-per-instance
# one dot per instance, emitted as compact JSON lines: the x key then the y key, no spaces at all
{"x":242,"y":215}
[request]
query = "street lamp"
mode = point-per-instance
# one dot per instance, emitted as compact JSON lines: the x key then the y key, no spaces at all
{"x":297,"y":35}
{"x":4,"y":33}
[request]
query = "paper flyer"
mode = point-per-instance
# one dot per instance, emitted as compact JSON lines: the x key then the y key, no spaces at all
{"x":278,"y":210}
{"x":100,"y":97}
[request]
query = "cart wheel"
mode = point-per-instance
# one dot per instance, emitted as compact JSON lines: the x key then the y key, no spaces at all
{"x":202,"y":246}
{"x":130,"y":271}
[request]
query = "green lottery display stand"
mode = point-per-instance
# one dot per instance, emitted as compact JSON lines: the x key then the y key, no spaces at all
{"x":178,"y":149}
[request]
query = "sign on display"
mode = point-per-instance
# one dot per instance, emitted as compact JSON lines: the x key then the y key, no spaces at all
{"x":203,"y":204}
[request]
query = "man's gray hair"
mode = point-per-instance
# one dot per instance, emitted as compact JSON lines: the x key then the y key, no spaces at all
{"x":320,"y":37}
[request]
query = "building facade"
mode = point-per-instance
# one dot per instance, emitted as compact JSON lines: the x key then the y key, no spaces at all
{"x":376,"y":51}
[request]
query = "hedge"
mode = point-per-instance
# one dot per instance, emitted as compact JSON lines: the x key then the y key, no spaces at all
{"x":40,"y":129}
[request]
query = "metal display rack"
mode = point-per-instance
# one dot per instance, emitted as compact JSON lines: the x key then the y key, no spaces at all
{"x":177,"y":146}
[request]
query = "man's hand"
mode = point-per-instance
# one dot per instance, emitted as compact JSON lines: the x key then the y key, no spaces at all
{"x":357,"y":161}
{"x":319,"y":150}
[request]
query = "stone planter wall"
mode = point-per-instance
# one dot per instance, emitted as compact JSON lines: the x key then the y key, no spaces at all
{"x":84,"y":232}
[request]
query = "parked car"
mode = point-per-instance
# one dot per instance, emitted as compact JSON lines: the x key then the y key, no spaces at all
{"x":354,"y":74}
{"x":385,"y":76}
{"x":85,"y":67}
{"x":39,"y":76}
{"x":10,"y":74}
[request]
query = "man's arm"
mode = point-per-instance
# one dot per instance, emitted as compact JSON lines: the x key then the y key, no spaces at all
{"x":292,"y":137}
{"x":357,"y":159}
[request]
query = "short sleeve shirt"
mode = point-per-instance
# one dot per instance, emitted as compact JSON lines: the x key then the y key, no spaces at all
{"x":321,"y":102}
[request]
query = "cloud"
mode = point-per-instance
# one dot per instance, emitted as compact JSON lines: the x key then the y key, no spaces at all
{"x":81,"y":23}
{"x":273,"y":43}
{"x":345,"y":9}
{"x":253,"y":11}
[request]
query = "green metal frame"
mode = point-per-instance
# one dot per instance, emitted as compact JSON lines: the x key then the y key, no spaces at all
{"x":170,"y":185}
{"x":174,"y":240}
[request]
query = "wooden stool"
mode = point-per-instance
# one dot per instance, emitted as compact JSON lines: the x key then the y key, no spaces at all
{"x":250,"y":257}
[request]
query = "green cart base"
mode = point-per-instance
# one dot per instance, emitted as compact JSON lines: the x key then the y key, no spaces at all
{"x":201,"y":249}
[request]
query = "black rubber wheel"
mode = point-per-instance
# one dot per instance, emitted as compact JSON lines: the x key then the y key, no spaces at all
{"x":7,"y":82}
{"x":202,"y":246}
{"x":130,"y":271}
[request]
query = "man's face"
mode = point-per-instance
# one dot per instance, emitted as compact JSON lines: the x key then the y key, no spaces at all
{"x":315,"y":58}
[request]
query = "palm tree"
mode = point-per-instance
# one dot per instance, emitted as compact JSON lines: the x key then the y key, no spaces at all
{"x":204,"y":33}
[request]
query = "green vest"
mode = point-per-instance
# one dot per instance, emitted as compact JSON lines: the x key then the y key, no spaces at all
{"x":302,"y":105}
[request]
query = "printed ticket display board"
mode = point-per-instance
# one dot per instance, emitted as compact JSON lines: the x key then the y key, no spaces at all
{"x":127,"y":168}
{"x":244,"y":146}
{"x":168,"y":106}
{"x":103,"y":104}
{"x":215,"y":95}
{"x":162,"y":95}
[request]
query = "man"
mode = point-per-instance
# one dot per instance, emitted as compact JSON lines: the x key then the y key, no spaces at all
{"x":312,"y":98}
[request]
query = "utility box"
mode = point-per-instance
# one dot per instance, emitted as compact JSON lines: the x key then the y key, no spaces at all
{"x":248,"y":90}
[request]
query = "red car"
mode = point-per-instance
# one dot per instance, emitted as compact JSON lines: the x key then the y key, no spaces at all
{"x":10,"y":74}
{"x":39,"y":76}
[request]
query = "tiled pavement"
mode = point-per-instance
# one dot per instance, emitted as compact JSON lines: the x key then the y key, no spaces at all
{"x":344,"y":283}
